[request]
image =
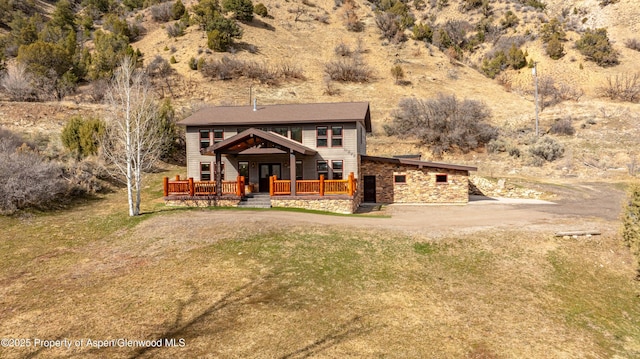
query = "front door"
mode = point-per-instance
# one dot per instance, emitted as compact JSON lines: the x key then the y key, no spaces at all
{"x":267,"y":170}
{"x":370,"y":189}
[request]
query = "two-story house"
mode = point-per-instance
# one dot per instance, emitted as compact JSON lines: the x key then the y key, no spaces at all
{"x":304,"y":155}
{"x":301,"y":141}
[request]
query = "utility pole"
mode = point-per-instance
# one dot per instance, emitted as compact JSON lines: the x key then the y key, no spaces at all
{"x":534,"y":72}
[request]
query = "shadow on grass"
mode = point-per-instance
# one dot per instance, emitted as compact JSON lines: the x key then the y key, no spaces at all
{"x":352,"y":328}
{"x":257,"y":290}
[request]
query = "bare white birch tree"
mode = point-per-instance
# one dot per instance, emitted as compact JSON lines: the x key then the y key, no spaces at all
{"x":131,"y":144}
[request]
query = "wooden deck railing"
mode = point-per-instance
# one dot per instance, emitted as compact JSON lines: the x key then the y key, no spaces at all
{"x":313,"y":187}
{"x":280,"y":187}
{"x":192,"y":188}
{"x":307,"y":187}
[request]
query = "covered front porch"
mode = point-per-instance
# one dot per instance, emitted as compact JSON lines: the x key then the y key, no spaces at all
{"x":322,"y":195}
{"x":272,"y":164}
{"x":260,"y":156}
{"x":277,"y":187}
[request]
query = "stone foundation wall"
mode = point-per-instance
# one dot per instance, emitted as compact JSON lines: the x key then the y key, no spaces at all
{"x":420,"y":185}
{"x":345,"y":204}
{"x":202,"y":201}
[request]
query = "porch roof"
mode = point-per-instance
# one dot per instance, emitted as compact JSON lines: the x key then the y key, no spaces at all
{"x":264,"y":115}
{"x":419,"y":163}
{"x":246,"y":141}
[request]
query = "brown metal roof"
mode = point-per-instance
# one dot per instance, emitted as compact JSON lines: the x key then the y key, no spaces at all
{"x":281,"y":114}
{"x":244,"y":141}
{"x":419,"y":163}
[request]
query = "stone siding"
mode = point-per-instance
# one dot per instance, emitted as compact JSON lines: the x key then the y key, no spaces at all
{"x":335,"y":204}
{"x":202,"y":201}
{"x":384,"y":179}
{"x":420,"y":185}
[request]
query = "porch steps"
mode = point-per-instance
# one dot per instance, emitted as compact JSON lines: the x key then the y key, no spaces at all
{"x":256,"y":200}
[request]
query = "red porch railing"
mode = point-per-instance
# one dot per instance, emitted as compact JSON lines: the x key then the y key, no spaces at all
{"x":313,"y":187}
{"x":189,"y":187}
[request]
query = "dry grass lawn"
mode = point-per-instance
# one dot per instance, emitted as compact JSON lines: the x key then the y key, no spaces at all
{"x":232,"y":286}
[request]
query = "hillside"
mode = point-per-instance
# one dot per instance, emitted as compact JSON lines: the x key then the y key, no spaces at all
{"x":304,"y":35}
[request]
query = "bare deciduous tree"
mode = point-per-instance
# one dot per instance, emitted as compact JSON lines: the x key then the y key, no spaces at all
{"x":27,"y":180}
{"x":444,"y":123}
{"x":132,"y":134}
{"x":17,"y":83}
{"x":624,"y":87}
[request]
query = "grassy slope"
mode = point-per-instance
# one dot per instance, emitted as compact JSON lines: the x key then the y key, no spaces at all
{"x":262,"y":289}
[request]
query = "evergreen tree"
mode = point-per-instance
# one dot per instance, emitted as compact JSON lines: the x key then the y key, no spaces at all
{"x":243,"y":9}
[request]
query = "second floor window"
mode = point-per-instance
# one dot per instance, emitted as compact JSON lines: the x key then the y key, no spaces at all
{"x":218,"y":136}
{"x":282,"y":131}
{"x":296,"y":134}
{"x":336,"y":136}
{"x":205,"y":140}
{"x":321,"y":136}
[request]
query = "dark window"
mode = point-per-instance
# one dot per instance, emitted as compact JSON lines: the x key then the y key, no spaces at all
{"x":218,"y":136}
{"x":336,"y":136}
{"x":205,"y":171}
{"x":282,"y":131}
{"x":243,"y":170}
{"x":321,"y":136}
{"x":400,"y":179}
{"x":336,"y":166}
{"x":323,"y":169}
{"x":296,"y":134}
{"x":205,"y":140}
{"x":299,"y":175}
{"x":441,"y":179}
{"x":241,"y":129}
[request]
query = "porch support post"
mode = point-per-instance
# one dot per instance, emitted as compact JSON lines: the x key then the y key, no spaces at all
{"x":218,"y":174}
{"x":351,"y":184}
{"x":165,"y":186}
{"x":292,"y":171}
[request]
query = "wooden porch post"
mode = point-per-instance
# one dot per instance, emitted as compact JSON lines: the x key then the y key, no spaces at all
{"x":322,"y":185}
{"x":177,"y":177}
{"x":271,"y":185}
{"x":238,"y":184}
{"x":292,"y":171}
{"x":165,"y":186}
{"x":351,"y":184}
{"x":192,"y":189}
{"x":218,"y":174}
{"x":242,"y":184}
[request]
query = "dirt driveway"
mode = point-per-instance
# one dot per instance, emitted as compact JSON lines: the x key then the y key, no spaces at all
{"x":587,"y":206}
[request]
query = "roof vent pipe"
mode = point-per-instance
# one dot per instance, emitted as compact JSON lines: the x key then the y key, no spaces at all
{"x":255,"y":104}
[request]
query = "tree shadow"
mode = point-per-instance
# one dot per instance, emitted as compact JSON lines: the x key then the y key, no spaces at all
{"x":259,"y":24}
{"x":260,"y":290}
{"x":185,"y":328}
{"x":349,"y":329}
